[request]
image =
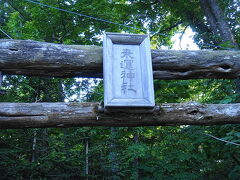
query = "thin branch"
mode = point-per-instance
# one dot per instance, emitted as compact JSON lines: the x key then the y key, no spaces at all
{"x":182,"y":36}
{"x":228,"y":142}
{"x":6,"y":34}
{"x":235,"y":158}
{"x":21,"y":13}
{"x":167,"y":29}
{"x":156,"y":2}
{"x":11,"y":146}
{"x":171,"y":27}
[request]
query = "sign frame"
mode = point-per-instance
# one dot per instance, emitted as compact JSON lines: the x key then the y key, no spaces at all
{"x":112,"y":43}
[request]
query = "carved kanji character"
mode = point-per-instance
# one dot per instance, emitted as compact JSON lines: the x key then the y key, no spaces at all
{"x":127,"y":54}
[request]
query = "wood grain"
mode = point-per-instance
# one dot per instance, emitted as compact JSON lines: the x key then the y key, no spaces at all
{"x":25,"y":57}
{"x":42,"y":115}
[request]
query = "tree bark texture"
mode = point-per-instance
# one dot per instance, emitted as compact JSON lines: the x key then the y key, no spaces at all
{"x":217,"y":21}
{"x":210,"y":16}
{"x":42,"y":115}
{"x":25,"y":57}
{"x":223,"y":25}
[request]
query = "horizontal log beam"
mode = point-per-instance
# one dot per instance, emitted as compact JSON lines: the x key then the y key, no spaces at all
{"x":42,"y":115}
{"x":25,"y":57}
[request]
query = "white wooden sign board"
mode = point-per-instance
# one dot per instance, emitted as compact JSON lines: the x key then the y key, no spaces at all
{"x":127,"y":71}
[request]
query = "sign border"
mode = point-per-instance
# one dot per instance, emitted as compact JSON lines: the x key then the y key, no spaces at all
{"x":143,"y":41}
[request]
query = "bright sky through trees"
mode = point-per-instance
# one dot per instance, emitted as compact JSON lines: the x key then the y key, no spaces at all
{"x":186,"y":42}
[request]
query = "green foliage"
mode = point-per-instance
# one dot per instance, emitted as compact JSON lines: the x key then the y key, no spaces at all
{"x":181,"y":152}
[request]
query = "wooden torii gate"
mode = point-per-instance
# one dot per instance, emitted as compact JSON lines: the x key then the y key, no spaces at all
{"x":25,"y":57}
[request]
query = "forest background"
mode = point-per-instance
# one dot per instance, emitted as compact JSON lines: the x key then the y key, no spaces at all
{"x":178,"y":152}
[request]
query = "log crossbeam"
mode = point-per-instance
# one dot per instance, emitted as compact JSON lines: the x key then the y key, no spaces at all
{"x":25,"y":57}
{"x":42,"y":115}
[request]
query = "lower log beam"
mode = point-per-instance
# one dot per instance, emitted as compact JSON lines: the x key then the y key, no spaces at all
{"x":42,"y":115}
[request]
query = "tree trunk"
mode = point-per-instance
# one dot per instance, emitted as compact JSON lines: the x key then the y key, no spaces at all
{"x":33,"y":115}
{"x":86,"y":157}
{"x":34,"y":143}
{"x":217,"y":21}
{"x":1,"y":78}
{"x":222,"y":24}
{"x":210,"y":17}
{"x":113,"y":154}
{"x":66,"y":149}
{"x":136,"y":160}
